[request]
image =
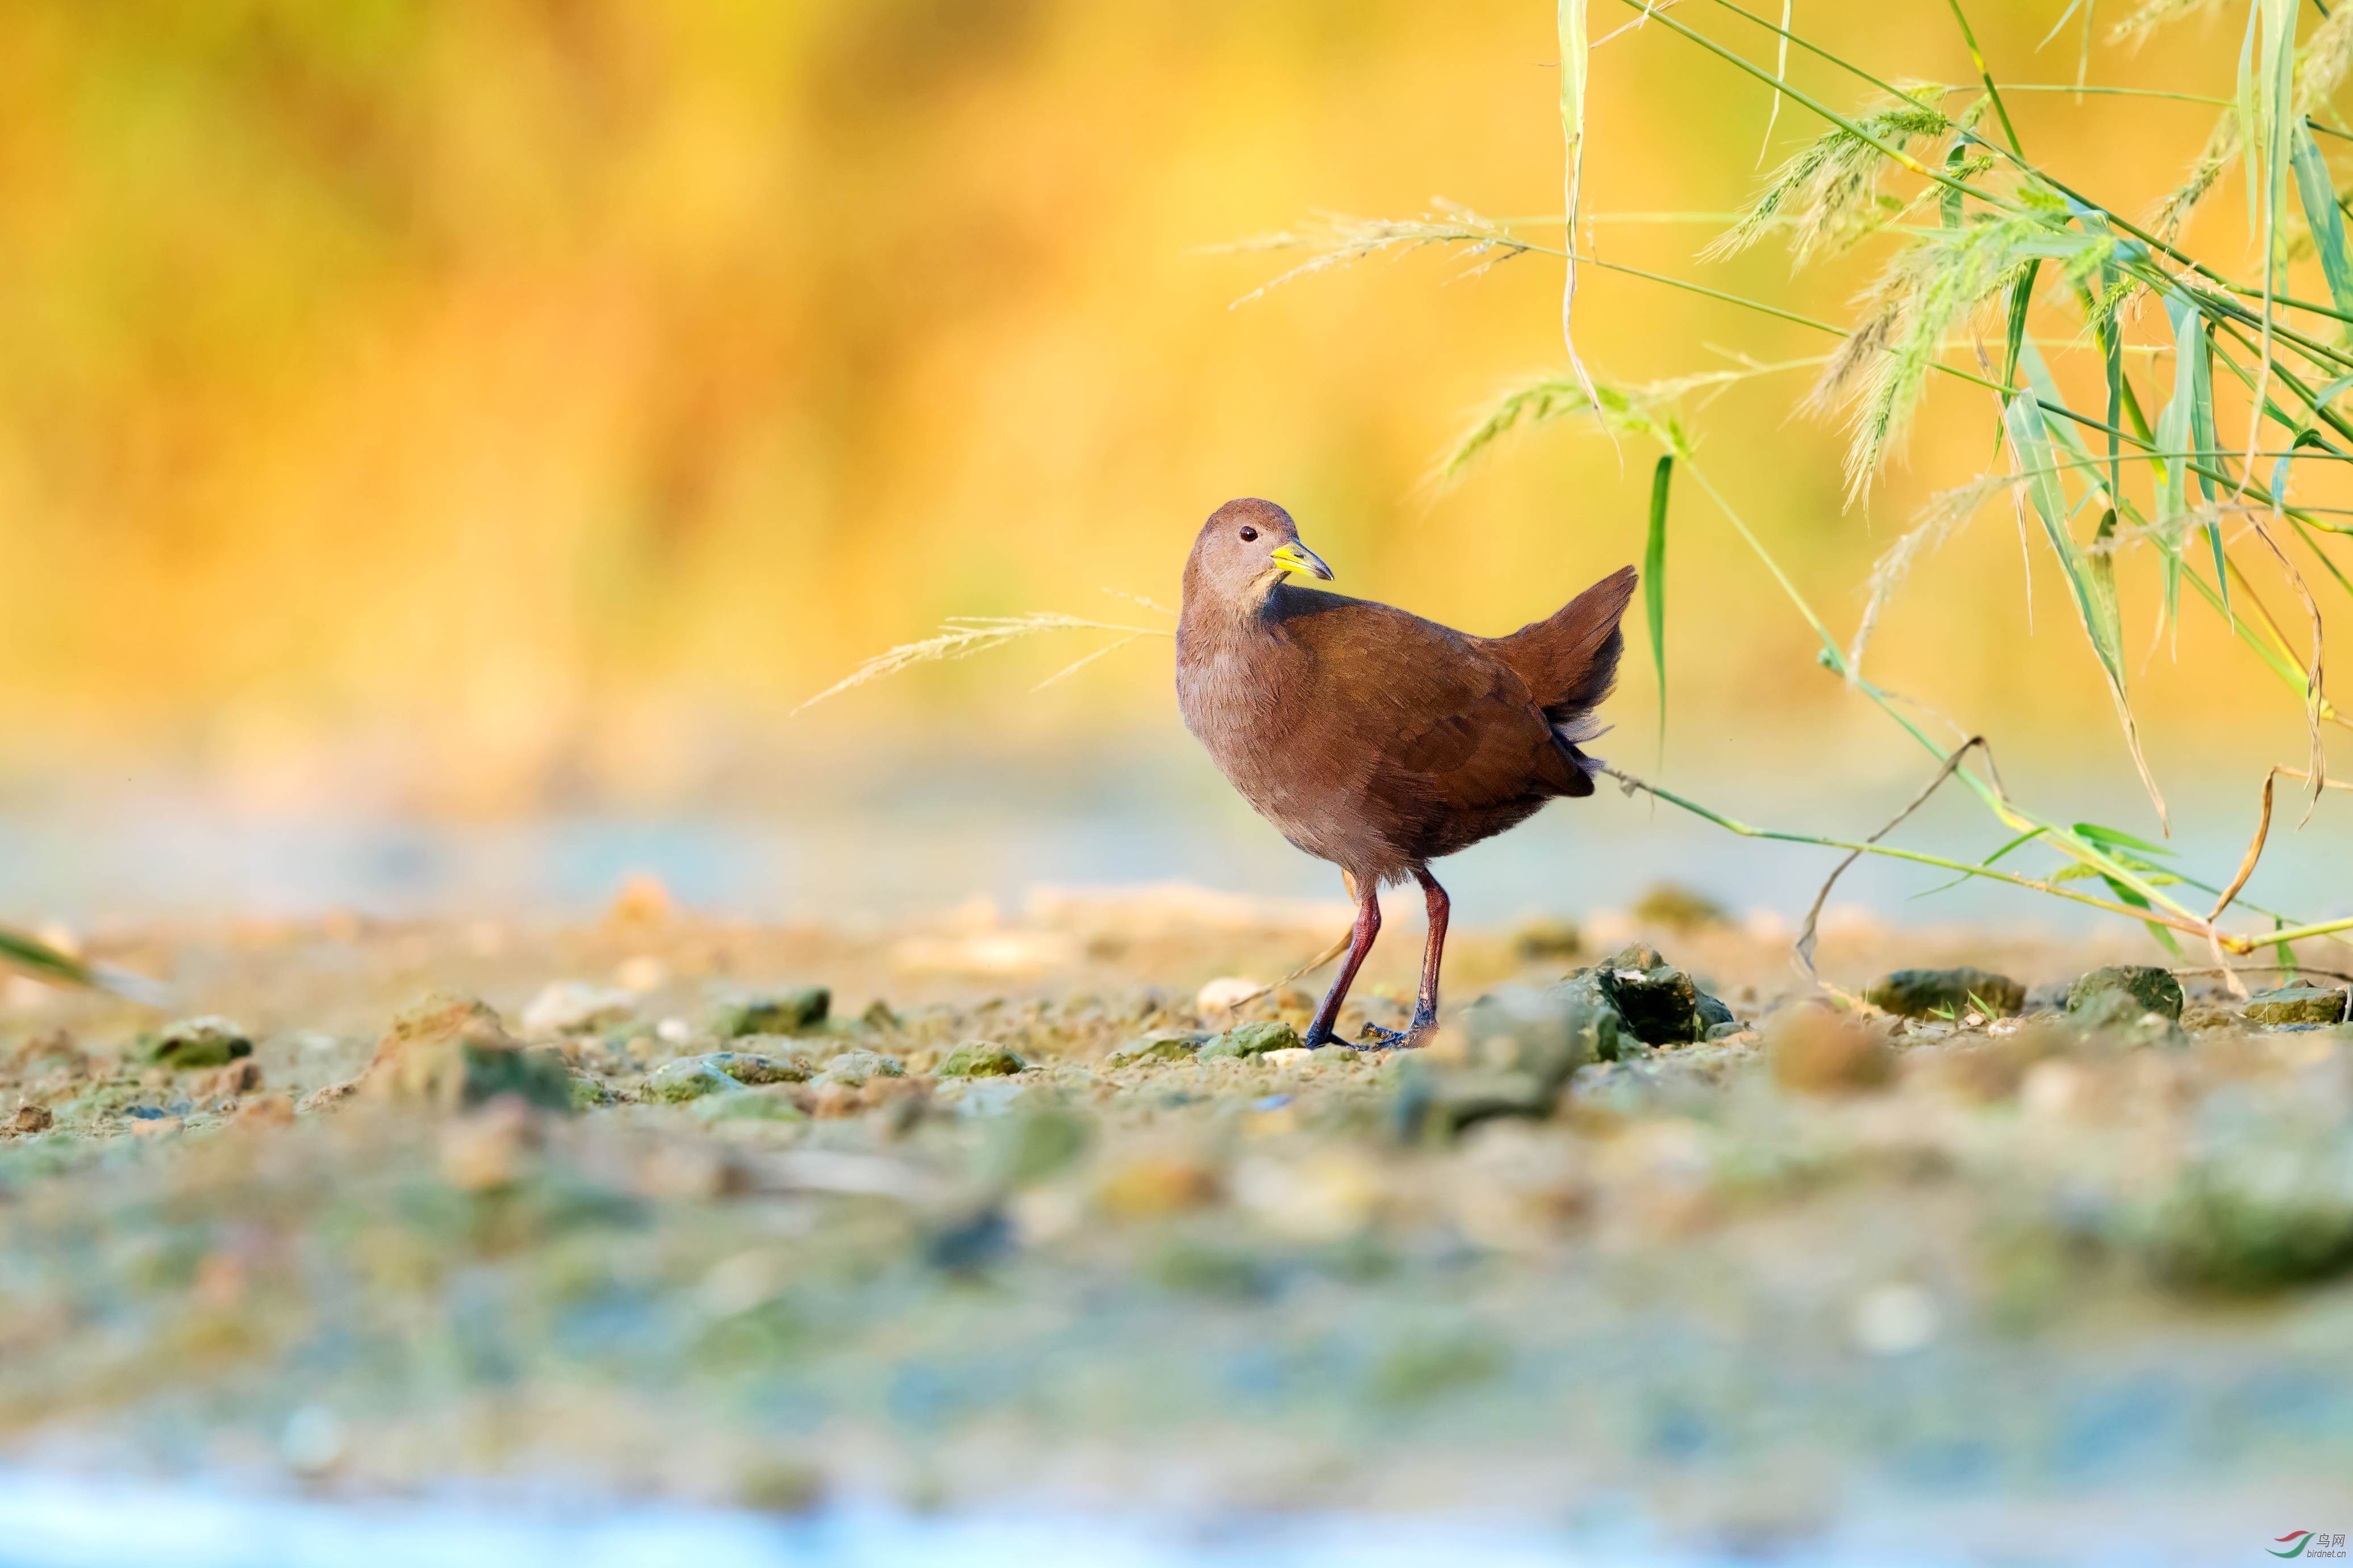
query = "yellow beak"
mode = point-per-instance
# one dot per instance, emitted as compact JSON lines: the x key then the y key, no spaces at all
{"x":1297,"y":557}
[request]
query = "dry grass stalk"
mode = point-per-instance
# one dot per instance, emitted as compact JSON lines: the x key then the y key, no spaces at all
{"x":964,"y":635}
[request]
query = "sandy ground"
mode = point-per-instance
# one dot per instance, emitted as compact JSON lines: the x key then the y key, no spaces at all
{"x":1827,"y":1264}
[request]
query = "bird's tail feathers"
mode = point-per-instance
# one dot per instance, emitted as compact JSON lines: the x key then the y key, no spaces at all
{"x":1569,"y":659}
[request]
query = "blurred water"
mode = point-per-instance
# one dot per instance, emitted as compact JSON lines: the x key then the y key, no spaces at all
{"x":894,"y":837}
{"x":57,"y":1522}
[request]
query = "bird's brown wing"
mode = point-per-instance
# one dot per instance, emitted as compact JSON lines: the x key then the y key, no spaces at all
{"x":1432,"y":723}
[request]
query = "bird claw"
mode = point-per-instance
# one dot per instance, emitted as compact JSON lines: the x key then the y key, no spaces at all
{"x":1379,"y":1039}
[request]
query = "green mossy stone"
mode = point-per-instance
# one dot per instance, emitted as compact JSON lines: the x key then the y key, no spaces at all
{"x":1251,"y":1040}
{"x":1945,"y":992}
{"x":2154,"y":990}
{"x":587,"y":1094}
{"x":692,"y":1078}
{"x":2296,"y":1005}
{"x":1160,"y":1047}
{"x":776,"y":1013}
{"x":980,"y":1058}
{"x":854,"y":1067}
{"x":206,"y":1042}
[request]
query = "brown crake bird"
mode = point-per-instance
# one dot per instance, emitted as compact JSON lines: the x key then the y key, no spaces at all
{"x":1372,"y":738}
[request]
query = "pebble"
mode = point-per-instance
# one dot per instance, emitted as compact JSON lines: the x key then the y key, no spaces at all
{"x":980,"y":1058}
{"x":1895,"y":1320}
{"x":2296,"y":1005}
{"x":2153,"y":989}
{"x":207,"y":1042}
{"x":853,"y":1067}
{"x":772,"y":1013}
{"x":1945,"y":992}
{"x":1290,"y":1057}
{"x":1251,"y":1040}
{"x":1161,"y":1048}
{"x":692,"y":1078}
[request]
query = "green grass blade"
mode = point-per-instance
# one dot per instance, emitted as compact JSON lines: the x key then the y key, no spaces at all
{"x":43,"y":961}
{"x":2091,"y":576}
{"x":2318,"y":193}
{"x":1654,"y":586}
{"x":2116,"y":838}
{"x":2127,"y":895}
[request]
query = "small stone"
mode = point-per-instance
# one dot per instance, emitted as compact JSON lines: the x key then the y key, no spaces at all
{"x":453,"y":1052}
{"x":1431,"y":1102}
{"x":1160,"y":1047}
{"x":1726,"y":1030}
{"x":1951,"y":994}
{"x":1545,"y":1034}
{"x":879,"y":1015}
{"x":1335,"y":1057}
{"x":206,"y":1042}
{"x":1290,"y":1056}
{"x":1820,"y":1051}
{"x":587,"y":1094}
{"x":1658,"y":1001}
{"x":576,"y":1008}
{"x":981,"y":1059}
{"x":31,"y":1119}
{"x":2154,"y":989}
{"x":1251,"y":1040}
{"x":855,"y":1067}
{"x":776,"y":1013}
{"x":692,"y":1078}
{"x":1226,"y":992}
{"x":1678,"y":908}
{"x":2296,"y":1005}
{"x":1546,"y":938}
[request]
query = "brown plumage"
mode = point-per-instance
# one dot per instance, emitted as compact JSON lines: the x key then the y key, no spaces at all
{"x":1372,"y":738}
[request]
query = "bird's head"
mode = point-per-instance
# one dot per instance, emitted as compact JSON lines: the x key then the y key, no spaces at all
{"x":1244,"y":550}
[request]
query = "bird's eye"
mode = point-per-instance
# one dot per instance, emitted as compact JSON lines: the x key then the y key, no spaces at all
{"x":1249,"y":534}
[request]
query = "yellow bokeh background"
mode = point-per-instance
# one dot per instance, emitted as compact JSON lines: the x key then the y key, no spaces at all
{"x":514,"y":390}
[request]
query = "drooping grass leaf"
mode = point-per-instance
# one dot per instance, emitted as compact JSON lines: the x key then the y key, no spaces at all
{"x":2022,"y":295}
{"x":2117,"y":838}
{"x":1654,"y":586}
{"x":2132,"y":896}
{"x":2090,"y":575}
{"x":2318,"y":193}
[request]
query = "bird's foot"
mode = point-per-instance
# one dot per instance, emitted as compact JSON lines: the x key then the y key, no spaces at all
{"x":1409,"y":1038}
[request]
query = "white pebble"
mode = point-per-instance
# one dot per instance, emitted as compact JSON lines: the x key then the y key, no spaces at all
{"x":1895,"y":1320}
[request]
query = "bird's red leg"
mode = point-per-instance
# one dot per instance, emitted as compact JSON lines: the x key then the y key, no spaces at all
{"x":1425,"y":1007}
{"x":1368,"y":926}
